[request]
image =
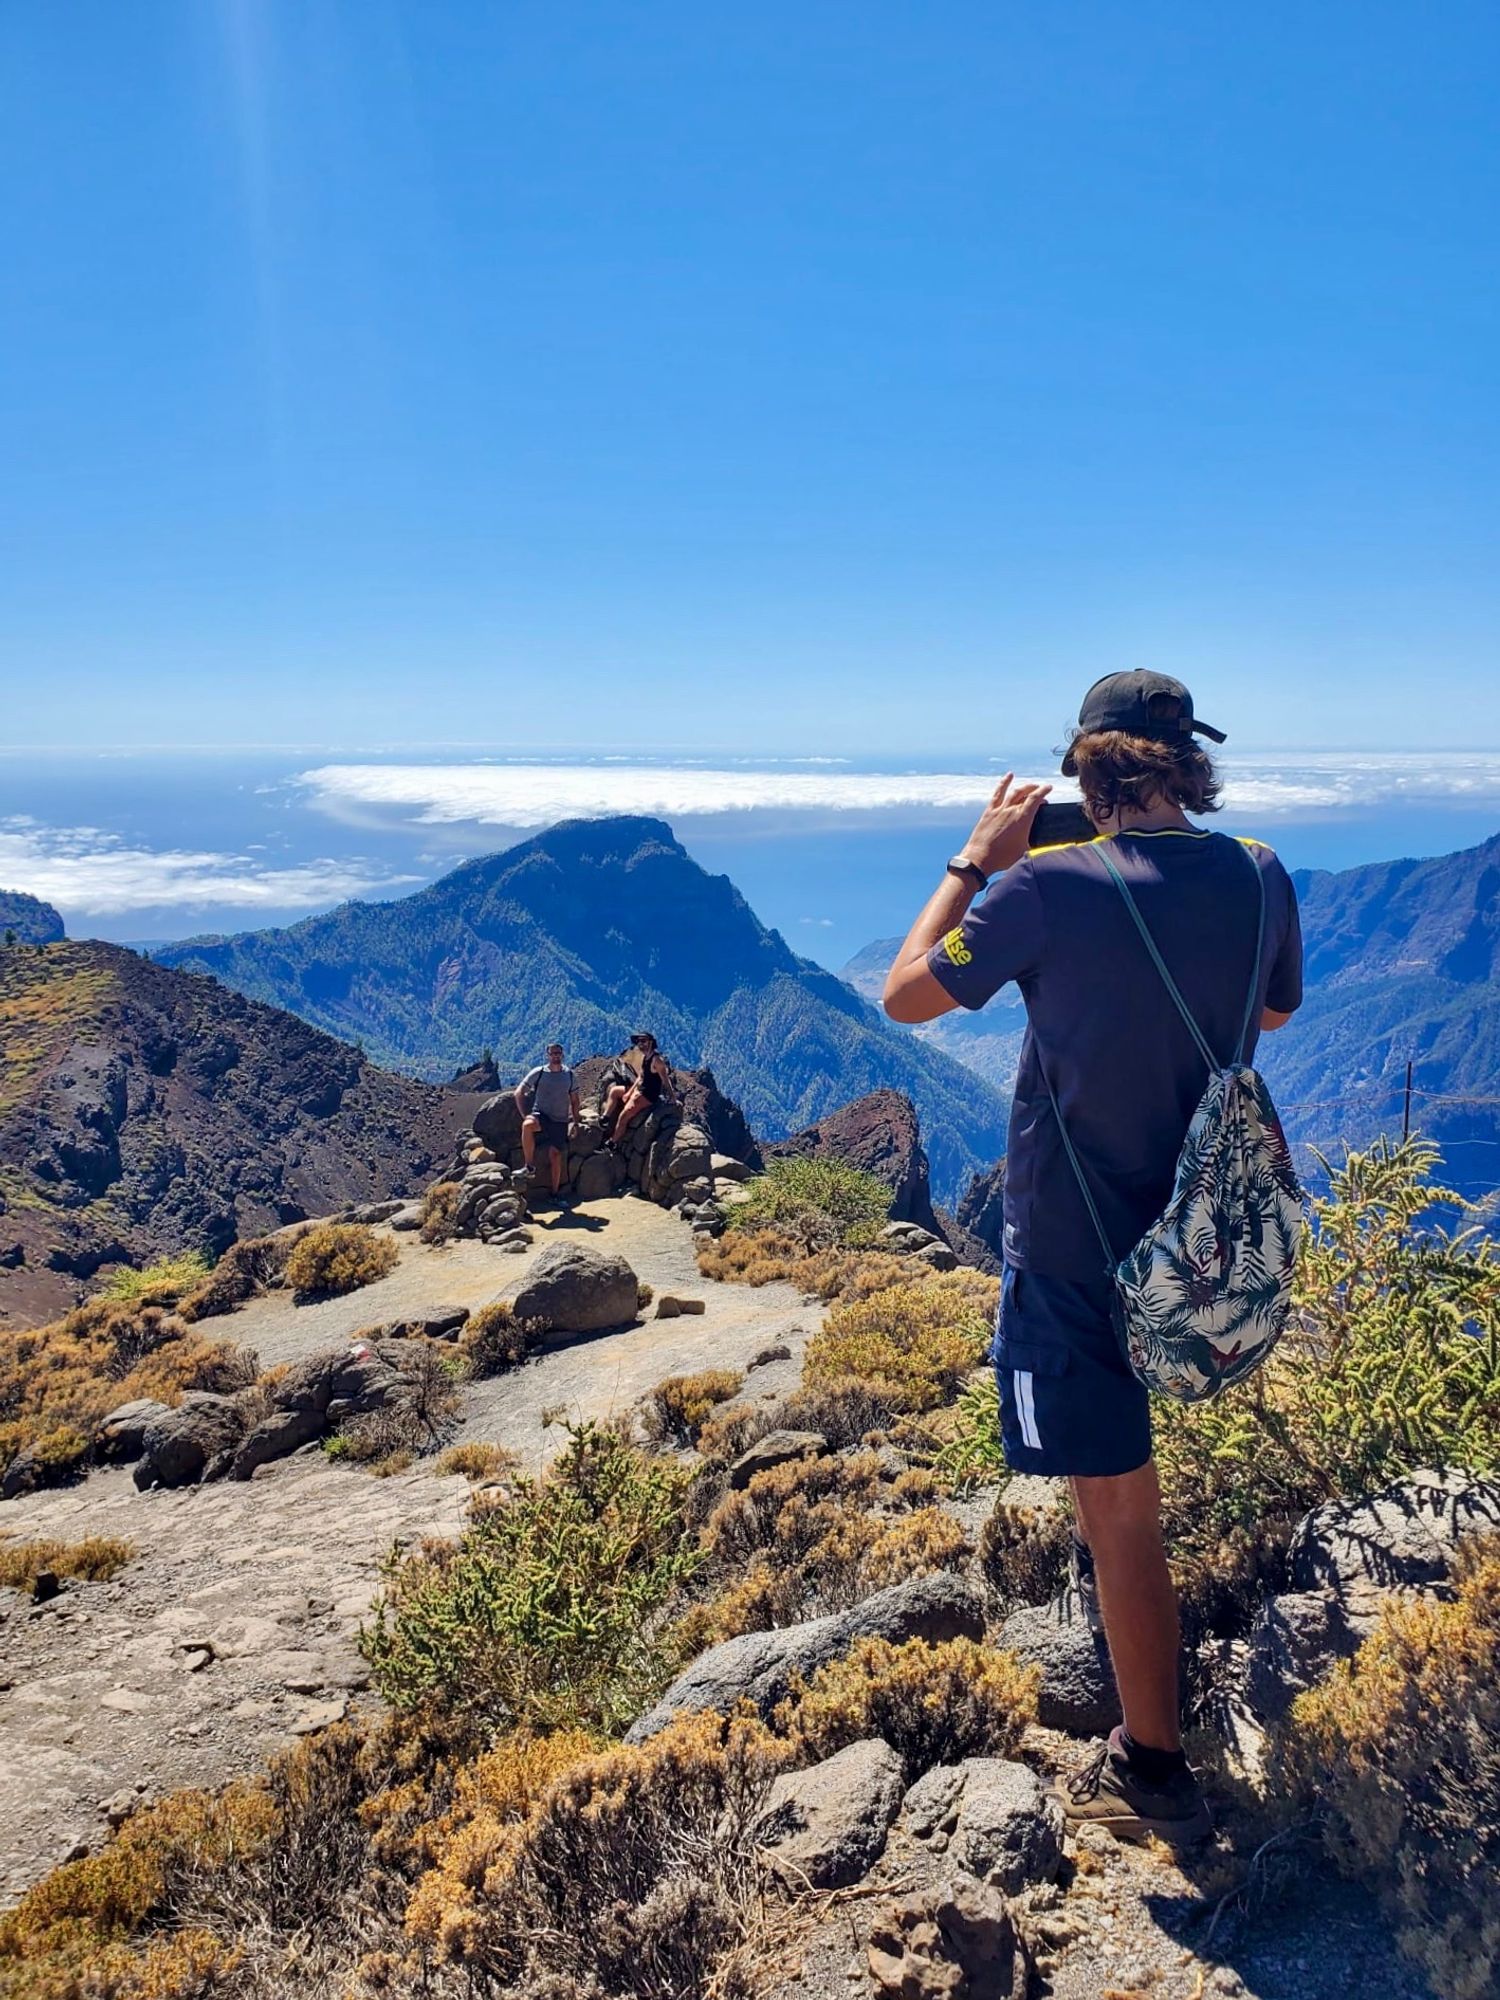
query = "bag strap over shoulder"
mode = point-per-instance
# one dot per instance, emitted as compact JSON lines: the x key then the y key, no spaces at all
{"x":1171,"y":984}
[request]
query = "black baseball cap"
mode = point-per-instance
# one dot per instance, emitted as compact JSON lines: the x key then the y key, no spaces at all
{"x":1140,"y":704}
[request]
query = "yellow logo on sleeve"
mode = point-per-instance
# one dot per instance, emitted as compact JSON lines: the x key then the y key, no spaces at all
{"x":958,"y":952}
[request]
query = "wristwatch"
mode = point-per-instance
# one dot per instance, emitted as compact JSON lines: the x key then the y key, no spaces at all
{"x":969,"y":870}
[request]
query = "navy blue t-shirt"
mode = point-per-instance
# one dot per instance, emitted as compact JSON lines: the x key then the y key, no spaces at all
{"x":1127,"y":1073}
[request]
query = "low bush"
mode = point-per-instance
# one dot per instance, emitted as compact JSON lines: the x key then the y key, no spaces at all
{"x":932,"y":1704}
{"x":247,"y":1268}
{"x":93,"y":1560}
{"x":546,"y":1611}
{"x":438,"y":1206}
{"x":1400,"y":1750}
{"x":478,"y":1461}
{"x":164,"y":1283}
{"x":420,"y":1423}
{"x":339,"y":1257}
{"x":1023,"y":1551}
{"x":677,"y":1409}
{"x":494,"y":1340}
{"x":912,"y":1343}
{"x":632,"y":1872}
{"x":771,"y":1254}
{"x":57,"y":1381}
{"x":1391,"y":1362}
{"x":820,"y":1203}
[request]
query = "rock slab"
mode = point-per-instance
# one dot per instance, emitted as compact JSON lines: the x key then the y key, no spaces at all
{"x":1077,"y":1691}
{"x":827,"y":1826}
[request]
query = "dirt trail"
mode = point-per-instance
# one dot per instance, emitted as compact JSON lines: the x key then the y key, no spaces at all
{"x":100,"y":1691}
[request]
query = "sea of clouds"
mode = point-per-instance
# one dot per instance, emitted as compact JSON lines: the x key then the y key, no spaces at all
{"x":98,"y":871}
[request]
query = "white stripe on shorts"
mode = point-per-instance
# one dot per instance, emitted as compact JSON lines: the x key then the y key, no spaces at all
{"x":1026,"y":1410}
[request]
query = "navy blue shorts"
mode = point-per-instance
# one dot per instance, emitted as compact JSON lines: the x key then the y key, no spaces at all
{"x":1068,"y":1400}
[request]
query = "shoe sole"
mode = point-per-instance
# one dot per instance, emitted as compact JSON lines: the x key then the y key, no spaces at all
{"x":1135,"y":1827}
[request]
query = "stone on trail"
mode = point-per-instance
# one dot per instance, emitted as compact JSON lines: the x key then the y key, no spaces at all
{"x":826,"y":1826}
{"x":1009,"y":1832}
{"x":761,"y":1665}
{"x":1077,"y":1691}
{"x":952,"y":1942}
{"x":574,"y":1288}
{"x":670,"y":1306}
{"x":775,"y":1448}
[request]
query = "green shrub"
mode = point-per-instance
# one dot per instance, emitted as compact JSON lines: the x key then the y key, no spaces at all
{"x":1391,"y":1362}
{"x":971,"y":1454}
{"x":932,"y":1704}
{"x":164,"y":1283}
{"x":339,"y":1257}
{"x":545,"y":1612}
{"x":1400,"y":1749}
{"x":820,"y":1203}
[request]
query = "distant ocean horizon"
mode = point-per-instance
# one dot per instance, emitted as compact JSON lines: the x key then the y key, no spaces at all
{"x":146,"y":846}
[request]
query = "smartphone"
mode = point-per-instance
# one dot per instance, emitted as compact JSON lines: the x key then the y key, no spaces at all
{"x":1055,"y":825}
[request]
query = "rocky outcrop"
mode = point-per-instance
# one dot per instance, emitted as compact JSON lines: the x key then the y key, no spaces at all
{"x":1345,"y":1559}
{"x":28,"y":920}
{"x":760,"y":1666}
{"x":981,"y":1208}
{"x":826,"y":1826}
{"x":179,"y":1447}
{"x":1008,"y":1830}
{"x":775,"y":1448}
{"x":879,"y":1135}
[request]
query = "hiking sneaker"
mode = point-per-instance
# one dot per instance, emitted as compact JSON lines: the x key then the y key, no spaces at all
{"x":1106,"y":1792}
{"x":1083,"y":1586}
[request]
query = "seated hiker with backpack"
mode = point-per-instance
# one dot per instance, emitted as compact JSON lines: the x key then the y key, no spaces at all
{"x":626,"y":1102}
{"x":547,"y":1098}
{"x":1152,"y":1214}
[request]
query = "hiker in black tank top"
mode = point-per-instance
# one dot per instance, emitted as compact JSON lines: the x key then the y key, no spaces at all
{"x":628,"y":1102}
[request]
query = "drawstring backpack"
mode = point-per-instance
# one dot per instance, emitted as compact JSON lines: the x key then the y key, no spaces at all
{"x":1204,"y":1296}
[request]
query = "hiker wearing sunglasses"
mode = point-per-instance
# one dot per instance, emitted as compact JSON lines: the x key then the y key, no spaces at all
{"x":1149,"y":956}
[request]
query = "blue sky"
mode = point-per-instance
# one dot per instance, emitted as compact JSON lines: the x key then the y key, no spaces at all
{"x":847,"y":380}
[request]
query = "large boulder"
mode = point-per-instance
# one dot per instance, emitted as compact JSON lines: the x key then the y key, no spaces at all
{"x":761,"y":1666}
{"x":826,"y":1826}
{"x":498,"y":1123}
{"x":879,"y":1135}
{"x":574,"y":1288}
{"x":273,"y":1437}
{"x":180,"y":1446}
{"x":1293,"y":1641}
{"x":1077,"y":1691}
{"x":343,"y":1381}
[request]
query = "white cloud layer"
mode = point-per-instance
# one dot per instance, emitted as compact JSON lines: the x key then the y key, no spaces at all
{"x":535,"y":795}
{"x":82,"y":869}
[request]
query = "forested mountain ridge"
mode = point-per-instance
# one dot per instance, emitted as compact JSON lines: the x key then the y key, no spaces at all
{"x":585,"y":933}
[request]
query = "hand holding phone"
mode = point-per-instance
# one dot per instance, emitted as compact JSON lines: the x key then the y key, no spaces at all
{"x":1056,"y":826}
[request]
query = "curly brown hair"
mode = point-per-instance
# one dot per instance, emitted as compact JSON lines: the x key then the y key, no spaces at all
{"x":1116,"y":770}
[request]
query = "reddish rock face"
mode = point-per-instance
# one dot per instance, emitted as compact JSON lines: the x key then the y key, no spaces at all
{"x":879,"y":1135}
{"x":981,"y":1209}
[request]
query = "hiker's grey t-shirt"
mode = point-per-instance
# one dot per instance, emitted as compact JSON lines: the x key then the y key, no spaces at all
{"x":1126,"y":1071}
{"x":553,"y":1091}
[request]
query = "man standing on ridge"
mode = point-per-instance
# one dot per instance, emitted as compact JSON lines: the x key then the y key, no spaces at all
{"x":547,"y":1098}
{"x":1125,"y":1077}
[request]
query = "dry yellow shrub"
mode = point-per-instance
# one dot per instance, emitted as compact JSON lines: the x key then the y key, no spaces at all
{"x":438,"y":1205}
{"x":93,"y":1560}
{"x":1401,"y":1748}
{"x":339,"y":1257}
{"x":477,"y":1461}
{"x":677,"y":1408}
{"x":932,"y":1704}
{"x":912,"y":1343}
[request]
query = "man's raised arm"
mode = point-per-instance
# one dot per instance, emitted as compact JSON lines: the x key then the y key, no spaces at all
{"x":998,"y":841}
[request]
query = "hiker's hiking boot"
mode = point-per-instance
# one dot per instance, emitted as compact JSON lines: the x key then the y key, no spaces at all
{"x":1107,"y":1792}
{"x":1082,"y":1588}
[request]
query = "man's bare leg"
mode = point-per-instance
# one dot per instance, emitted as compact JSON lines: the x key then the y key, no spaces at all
{"x":528,"y":1141}
{"x":1121,"y":1521}
{"x":557,"y":1167}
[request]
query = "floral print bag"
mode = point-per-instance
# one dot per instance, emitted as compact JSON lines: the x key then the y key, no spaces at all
{"x":1204,"y":1296}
